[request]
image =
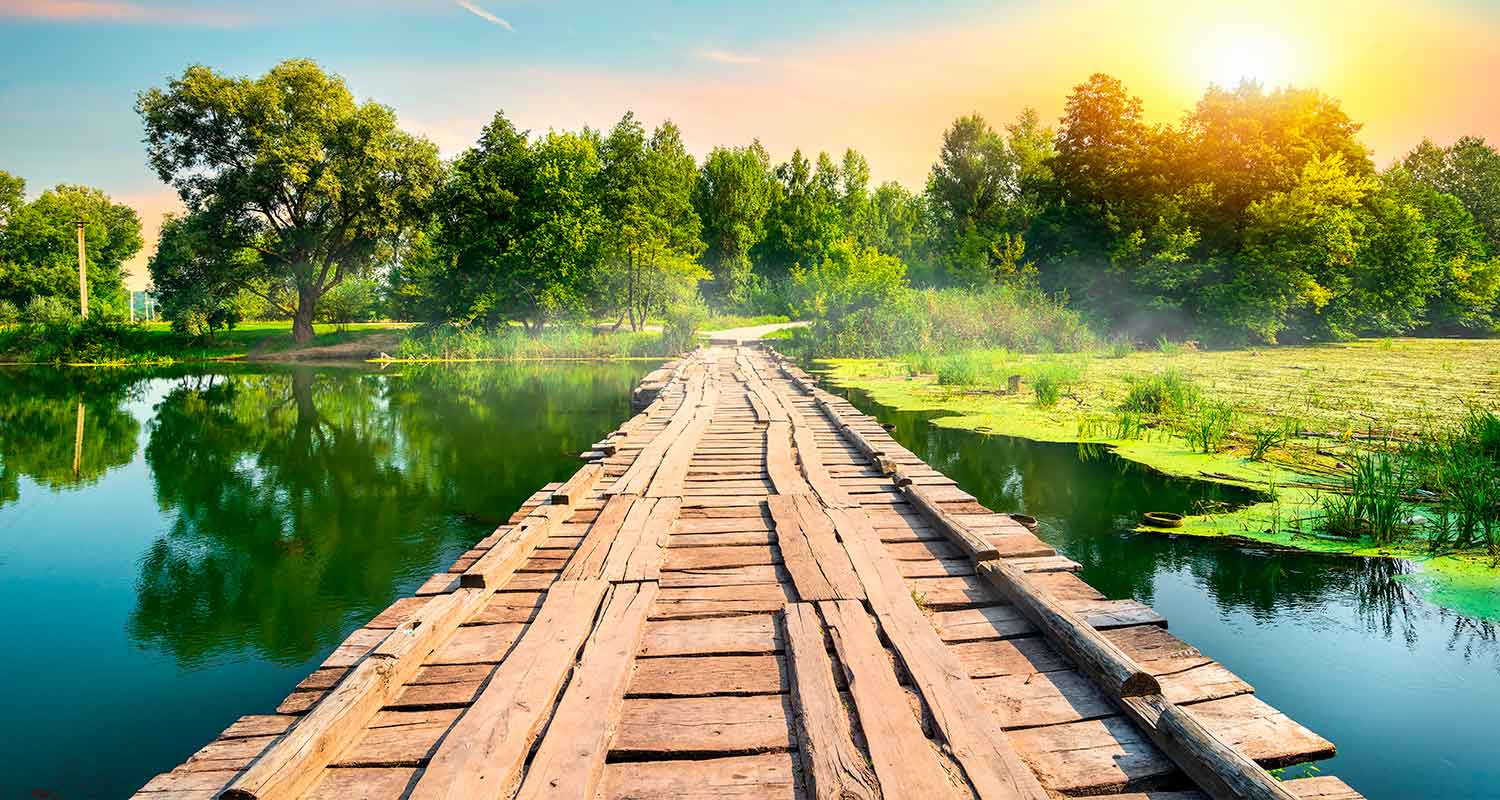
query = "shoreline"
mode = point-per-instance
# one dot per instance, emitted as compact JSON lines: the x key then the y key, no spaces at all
{"x":1466,"y":582}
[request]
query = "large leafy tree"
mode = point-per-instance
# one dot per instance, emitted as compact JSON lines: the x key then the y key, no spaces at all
{"x":652,"y":232}
{"x":39,"y":245}
{"x":734,"y":191}
{"x":1469,"y":170}
{"x":971,"y":189}
{"x":288,"y":164}
{"x":12,"y":195}
{"x":805,"y":220}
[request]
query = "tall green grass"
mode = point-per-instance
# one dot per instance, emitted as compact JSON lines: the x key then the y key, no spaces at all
{"x":1373,"y":500}
{"x":451,"y":343}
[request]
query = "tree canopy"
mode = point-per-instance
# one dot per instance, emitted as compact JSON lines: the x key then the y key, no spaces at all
{"x":290,"y":166}
{"x":39,"y":244}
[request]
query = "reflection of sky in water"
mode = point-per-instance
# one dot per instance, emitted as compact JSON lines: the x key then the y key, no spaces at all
{"x":150,"y":622}
{"x":1405,"y":689}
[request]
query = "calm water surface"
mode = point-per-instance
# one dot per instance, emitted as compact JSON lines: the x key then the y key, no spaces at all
{"x":211,"y":535}
{"x":1409,"y":692}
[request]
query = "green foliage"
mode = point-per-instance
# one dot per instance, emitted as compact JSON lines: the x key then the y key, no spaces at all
{"x":1050,"y":379}
{"x":849,"y":278}
{"x":455,"y":343}
{"x":196,"y":282}
{"x":39,"y":244}
{"x":45,"y":310}
{"x":1461,"y":468}
{"x":1207,"y":425}
{"x":290,"y":165}
{"x":55,"y":336}
{"x":1372,"y":502}
{"x":684,"y":319}
{"x":964,"y":369}
{"x":651,"y":230}
{"x":9,"y":314}
{"x":733,"y":193}
{"x":1168,"y":392}
{"x":351,"y":301}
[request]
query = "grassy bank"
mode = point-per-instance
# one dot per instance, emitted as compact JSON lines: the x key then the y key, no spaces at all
{"x":96,"y":343}
{"x":1294,"y":423}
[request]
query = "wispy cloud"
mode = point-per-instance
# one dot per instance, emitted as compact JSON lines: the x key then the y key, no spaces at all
{"x":109,"y":11}
{"x":483,"y":14}
{"x":728,"y":57}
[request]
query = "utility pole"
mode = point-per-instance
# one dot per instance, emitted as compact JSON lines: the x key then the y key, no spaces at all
{"x":83,"y":276}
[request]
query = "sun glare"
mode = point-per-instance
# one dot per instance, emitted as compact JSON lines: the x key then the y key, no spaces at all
{"x":1228,"y":54}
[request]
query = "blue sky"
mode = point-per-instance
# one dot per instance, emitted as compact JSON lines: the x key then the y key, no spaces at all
{"x":884,"y":77}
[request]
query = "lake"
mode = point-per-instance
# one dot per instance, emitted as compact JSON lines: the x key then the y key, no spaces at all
{"x":209,"y":535}
{"x":1408,"y":691}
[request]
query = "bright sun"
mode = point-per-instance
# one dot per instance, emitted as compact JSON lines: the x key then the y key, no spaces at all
{"x":1227,"y":54}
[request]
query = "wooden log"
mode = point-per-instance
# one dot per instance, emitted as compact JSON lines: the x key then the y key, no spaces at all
{"x":482,"y":754}
{"x":569,"y":762}
{"x":978,"y":547}
{"x":1114,"y":671}
{"x":1220,"y":770}
{"x":832,"y":764}
{"x":497,"y":566}
{"x":291,"y":765}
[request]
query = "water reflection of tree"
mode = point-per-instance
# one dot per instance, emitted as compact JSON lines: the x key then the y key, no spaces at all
{"x":289,"y":513}
{"x":40,"y":436}
{"x":301,"y":500}
{"x":1088,"y":507}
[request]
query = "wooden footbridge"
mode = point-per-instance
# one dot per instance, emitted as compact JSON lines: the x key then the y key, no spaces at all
{"x":751,"y":591}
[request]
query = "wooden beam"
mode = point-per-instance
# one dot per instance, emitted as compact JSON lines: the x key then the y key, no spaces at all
{"x":831,"y":763}
{"x":1114,"y":671}
{"x":293,"y":764}
{"x":976,"y":546}
{"x":582,"y":482}
{"x":1221,"y":771}
{"x":569,"y":762}
{"x":482,"y":754}
{"x":905,"y":762}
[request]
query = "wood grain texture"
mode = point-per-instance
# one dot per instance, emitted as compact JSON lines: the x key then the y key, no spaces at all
{"x":834,"y":767}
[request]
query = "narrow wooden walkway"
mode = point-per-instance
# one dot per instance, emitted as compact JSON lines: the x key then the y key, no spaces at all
{"x":751,"y":591}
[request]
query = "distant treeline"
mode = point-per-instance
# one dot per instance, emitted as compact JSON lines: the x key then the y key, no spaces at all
{"x":1259,"y":217}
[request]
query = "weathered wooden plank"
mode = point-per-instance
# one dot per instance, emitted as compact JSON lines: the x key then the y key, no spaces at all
{"x":904,"y":761}
{"x":834,"y":766}
{"x":751,"y":634}
{"x":975,"y":545}
{"x":698,"y":676}
{"x":975,"y":737}
{"x":580,"y":484}
{"x":290,"y":766}
{"x":588,"y":560}
{"x":703,"y":725}
{"x":768,"y":776}
{"x":569,"y":762}
{"x":482,"y":755}
{"x":499,"y":564}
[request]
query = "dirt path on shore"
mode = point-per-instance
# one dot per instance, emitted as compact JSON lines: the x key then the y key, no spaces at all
{"x":365,"y":347}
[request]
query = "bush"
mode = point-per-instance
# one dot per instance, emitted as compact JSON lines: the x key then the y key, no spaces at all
{"x":9,"y":314}
{"x":1049,"y":379}
{"x":1170,"y":391}
{"x":49,"y":310}
{"x":683,"y":321}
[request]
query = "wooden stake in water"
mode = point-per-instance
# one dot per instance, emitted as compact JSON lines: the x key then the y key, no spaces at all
{"x":83,"y":278}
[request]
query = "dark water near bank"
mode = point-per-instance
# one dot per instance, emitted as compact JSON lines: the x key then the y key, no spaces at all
{"x":1409,"y":692}
{"x":211,"y":535}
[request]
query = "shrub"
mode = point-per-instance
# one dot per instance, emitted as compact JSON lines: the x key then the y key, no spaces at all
{"x":49,"y":310}
{"x":1169,"y":391}
{"x":9,"y":314}
{"x":1049,"y":379}
{"x":683,"y":321}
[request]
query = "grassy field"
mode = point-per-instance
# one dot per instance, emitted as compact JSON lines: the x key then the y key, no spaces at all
{"x":1288,"y":421}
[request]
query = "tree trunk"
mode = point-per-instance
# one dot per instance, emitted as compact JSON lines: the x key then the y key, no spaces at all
{"x":302,"y":320}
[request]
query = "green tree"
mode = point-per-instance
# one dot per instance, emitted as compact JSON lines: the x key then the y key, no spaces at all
{"x":805,"y":218}
{"x":1468,"y":170}
{"x":197,"y":282}
{"x":1468,"y":288}
{"x":1300,"y":252}
{"x":292,"y":167}
{"x":39,"y":247}
{"x":12,"y":195}
{"x":851,"y":277}
{"x":652,"y":235}
{"x":732,"y":195}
